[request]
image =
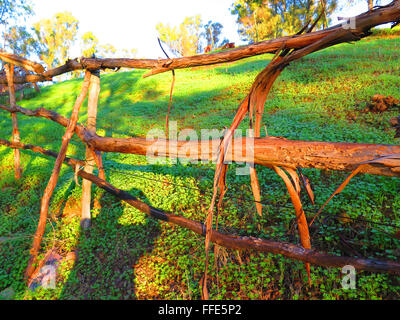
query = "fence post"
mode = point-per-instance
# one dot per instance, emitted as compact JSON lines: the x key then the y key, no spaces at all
{"x":15,"y":134}
{"x":37,"y":239}
{"x":90,"y":155}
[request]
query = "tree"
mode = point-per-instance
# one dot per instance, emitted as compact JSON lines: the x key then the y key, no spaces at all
{"x":20,"y":41}
{"x":10,"y":11}
{"x":185,"y":39}
{"x":264,"y":19}
{"x":256,"y":20}
{"x":56,"y":36}
{"x":89,"y":44}
{"x":211,"y":33}
{"x":13,"y":9}
{"x":127,"y":53}
{"x":106,"y":51}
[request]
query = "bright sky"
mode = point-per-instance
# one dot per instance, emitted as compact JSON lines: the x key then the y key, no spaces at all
{"x":131,"y":23}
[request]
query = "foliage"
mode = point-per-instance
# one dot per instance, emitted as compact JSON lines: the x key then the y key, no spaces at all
{"x":394,"y":32}
{"x":56,"y":36}
{"x":211,"y":33}
{"x":128,"y":53}
{"x":89,"y":44}
{"x":185,"y":38}
{"x":264,"y":19}
{"x":369,"y":3}
{"x":10,"y":10}
{"x":126,"y":255}
{"x":106,"y":50}
{"x":20,"y":41}
{"x":16,"y":38}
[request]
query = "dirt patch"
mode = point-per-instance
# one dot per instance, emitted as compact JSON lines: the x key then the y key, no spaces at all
{"x":72,"y":208}
{"x":395,"y":123}
{"x":380,"y":103}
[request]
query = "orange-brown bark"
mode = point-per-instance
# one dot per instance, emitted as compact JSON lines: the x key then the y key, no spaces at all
{"x":15,"y":133}
{"x":90,"y":155}
{"x":54,"y":177}
{"x":21,"y":62}
{"x":268,"y":151}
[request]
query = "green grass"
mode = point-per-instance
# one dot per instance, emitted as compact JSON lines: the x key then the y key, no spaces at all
{"x":127,"y":255}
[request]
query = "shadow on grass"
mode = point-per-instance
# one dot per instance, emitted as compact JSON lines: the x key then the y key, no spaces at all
{"x":108,"y":252}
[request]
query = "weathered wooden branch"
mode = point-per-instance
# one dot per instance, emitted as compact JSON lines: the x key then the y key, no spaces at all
{"x":70,"y":65}
{"x":294,"y":192}
{"x":255,"y":102}
{"x":54,"y":177}
{"x":268,"y":151}
{"x":228,"y":241}
{"x":15,"y":133}
{"x":364,"y":23}
{"x":37,"y":149}
{"x":257,"y":97}
{"x":93,"y":98}
{"x":21,"y":62}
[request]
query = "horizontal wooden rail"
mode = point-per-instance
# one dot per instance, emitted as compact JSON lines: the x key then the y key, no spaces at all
{"x":291,"y":251}
{"x":268,"y":151}
{"x":21,"y":62}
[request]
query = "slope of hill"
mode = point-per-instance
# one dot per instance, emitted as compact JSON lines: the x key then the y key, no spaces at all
{"x":129,"y":256}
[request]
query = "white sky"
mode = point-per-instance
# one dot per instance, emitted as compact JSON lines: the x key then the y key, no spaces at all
{"x":131,"y":23}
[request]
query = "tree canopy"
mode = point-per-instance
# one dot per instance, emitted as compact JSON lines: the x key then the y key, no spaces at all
{"x":106,"y":50}
{"x":212,"y":33}
{"x":264,"y":19}
{"x":89,"y":44}
{"x":17,"y":39}
{"x":56,"y":36}
{"x":184,"y":39}
{"x":13,"y":9}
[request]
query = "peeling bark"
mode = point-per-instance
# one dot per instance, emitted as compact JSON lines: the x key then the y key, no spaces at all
{"x":268,"y":151}
{"x":21,"y":62}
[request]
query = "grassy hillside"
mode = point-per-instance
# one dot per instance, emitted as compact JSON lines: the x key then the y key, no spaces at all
{"x":129,"y":256}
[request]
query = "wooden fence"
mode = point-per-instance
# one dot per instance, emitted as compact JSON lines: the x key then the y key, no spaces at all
{"x":282,"y":155}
